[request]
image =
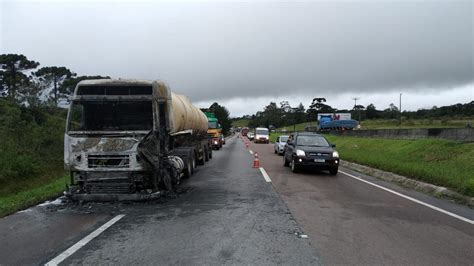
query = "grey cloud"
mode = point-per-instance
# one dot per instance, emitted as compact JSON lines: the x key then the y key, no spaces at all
{"x":219,"y":51}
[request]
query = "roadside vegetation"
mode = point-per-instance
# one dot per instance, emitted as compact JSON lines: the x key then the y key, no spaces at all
{"x":440,"y":162}
{"x":30,"y":156}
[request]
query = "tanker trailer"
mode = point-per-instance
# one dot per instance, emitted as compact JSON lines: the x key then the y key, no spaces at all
{"x":131,"y":140}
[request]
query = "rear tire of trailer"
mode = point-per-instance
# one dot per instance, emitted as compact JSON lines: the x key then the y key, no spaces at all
{"x":188,"y":170}
{"x":206,"y":154}
{"x":193,"y":161}
{"x":203,"y":154}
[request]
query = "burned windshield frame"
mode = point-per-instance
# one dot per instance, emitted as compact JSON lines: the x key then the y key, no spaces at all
{"x":110,"y":116}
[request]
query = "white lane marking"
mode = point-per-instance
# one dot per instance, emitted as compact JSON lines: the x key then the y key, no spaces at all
{"x":265,"y":175}
{"x":251,"y":152}
{"x":68,"y":252}
{"x":412,"y":199}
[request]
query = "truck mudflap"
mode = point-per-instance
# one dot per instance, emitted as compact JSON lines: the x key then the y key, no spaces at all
{"x":113,"y":197}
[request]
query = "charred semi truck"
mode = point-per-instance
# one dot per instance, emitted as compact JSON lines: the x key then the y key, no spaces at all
{"x":131,"y":140}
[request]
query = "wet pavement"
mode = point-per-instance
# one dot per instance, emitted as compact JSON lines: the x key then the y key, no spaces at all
{"x":224,"y":214}
{"x":352,"y":222}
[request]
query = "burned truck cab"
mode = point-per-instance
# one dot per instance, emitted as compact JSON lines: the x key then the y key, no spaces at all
{"x":117,"y":142}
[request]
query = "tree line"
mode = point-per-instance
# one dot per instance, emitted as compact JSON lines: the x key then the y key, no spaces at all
{"x":23,"y":81}
{"x":282,"y":114}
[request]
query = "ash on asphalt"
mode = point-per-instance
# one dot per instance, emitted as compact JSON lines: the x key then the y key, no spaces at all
{"x":224,"y":214}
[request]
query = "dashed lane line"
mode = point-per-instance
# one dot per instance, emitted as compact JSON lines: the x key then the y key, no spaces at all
{"x":68,"y":252}
{"x":464,"y":219}
{"x":265,"y":175}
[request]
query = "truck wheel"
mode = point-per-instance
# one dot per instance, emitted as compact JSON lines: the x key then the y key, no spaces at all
{"x":333,"y":171}
{"x":285,"y":162}
{"x":201,"y":161}
{"x":188,"y":171}
{"x":210,"y":153}
{"x":294,"y":167}
{"x":206,"y":154}
{"x":193,"y":162}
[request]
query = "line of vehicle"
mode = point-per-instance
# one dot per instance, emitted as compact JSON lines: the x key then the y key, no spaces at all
{"x":464,"y":219}
{"x":265,"y":175}
{"x":68,"y":252}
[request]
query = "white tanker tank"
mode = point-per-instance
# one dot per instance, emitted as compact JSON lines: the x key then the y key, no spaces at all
{"x":185,"y":116}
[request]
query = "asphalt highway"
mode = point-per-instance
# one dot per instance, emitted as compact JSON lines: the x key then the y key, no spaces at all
{"x":352,"y":222}
{"x":224,"y":214}
{"x":231,"y":213}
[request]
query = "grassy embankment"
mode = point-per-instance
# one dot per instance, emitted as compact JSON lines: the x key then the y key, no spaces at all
{"x":240,"y":123}
{"x":440,"y":162}
{"x":31,"y":150}
{"x":393,"y":123}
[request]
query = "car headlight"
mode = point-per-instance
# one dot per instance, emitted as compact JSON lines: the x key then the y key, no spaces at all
{"x":215,"y":141}
{"x":300,"y":153}
{"x":335,"y":154}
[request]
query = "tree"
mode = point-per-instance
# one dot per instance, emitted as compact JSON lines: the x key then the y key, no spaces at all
{"x":371,"y":112}
{"x":54,"y":76}
{"x":299,"y":113}
{"x":222,"y":115}
{"x":318,"y":106}
{"x":67,"y":87}
{"x":12,"y":78}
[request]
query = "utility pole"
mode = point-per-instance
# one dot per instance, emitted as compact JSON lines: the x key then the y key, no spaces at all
{"x":355,"y":104}
{"x":400,"y":106}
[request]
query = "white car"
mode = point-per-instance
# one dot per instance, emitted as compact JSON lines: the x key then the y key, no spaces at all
{"x":250,"y":135}
{"x":280,"y":144}
{"x":262,"y":135}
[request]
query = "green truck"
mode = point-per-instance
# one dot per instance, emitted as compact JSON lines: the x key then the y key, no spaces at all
{"x":214,"y":131}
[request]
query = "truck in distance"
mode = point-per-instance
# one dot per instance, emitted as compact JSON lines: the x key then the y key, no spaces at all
{"x":214,"y":131}
{"x":131,"y":139}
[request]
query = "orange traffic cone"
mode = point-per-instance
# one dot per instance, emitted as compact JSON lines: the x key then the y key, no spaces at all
{"x":256,"y":161}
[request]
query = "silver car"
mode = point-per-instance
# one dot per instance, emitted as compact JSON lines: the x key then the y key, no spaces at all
{"x":280,"y":144}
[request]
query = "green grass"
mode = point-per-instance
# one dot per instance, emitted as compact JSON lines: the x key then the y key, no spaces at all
{"x":241,"y":123}
{"x":393,"y":123}
{"x":415,"y":123}
{"x":439,"y":162}
{"x":23,"y":194}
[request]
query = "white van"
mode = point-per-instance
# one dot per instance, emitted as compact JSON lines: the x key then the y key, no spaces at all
{"x":262,"y":135}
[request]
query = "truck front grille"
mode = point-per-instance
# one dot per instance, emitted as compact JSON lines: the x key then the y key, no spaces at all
{"x":108,"y":161}
{"x":108,"y":188}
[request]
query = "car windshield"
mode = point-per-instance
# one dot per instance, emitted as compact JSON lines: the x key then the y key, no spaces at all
{"x":111,"y":116}
{"x":316,"y":141}
{"x":283,"y":138}
{"x":212,"y":124}
{"x":262,"y":132}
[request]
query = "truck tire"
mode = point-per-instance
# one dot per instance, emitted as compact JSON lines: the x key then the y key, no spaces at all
{"x":206,"y":154}
{"x":193,"y":161}
{"x":202,"y":160}
{"x":188,"y":172}
{"x":210,"y":153}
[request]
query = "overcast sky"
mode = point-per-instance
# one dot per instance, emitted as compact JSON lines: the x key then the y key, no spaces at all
{"x":244,"y":55}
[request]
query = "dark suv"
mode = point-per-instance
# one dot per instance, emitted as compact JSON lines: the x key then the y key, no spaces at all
{"x":310,"y":150}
